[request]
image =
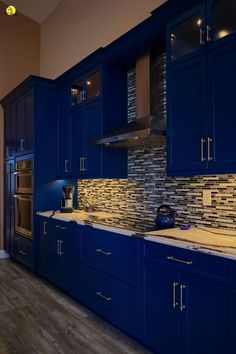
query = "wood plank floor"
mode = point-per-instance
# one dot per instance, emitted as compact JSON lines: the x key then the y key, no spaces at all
{"x":36,"y":317}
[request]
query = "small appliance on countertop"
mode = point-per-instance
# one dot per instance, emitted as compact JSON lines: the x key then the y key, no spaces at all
{"x":165,"y":218}
{"x":67,"y":199}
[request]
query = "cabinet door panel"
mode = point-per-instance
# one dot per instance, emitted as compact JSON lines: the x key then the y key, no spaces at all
{"x":20,"y":126}
{"x":162,"y":327}
{"x":187,"y":116}
{"x":77,"y":142}
{"x":222,"y":107}
{"x":29,"y":117}
{"x":185,"y":35}
{"x":10,"y":133}
{"x":43,"y":248}
{"x":56,"y":260}
{"x":63,"y":160}
{"x":207,"y":317}
{"x":93,"y":163}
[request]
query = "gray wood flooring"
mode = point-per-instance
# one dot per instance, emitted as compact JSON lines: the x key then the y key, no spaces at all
{"x":36,"y":317}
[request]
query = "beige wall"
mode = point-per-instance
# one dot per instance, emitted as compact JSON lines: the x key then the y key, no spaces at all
{"x":20,"y":55}
{"x":77,"y":27}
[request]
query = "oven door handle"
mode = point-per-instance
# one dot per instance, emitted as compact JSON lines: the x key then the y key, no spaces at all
{"x":23,"y":172}
{"x":23,"y":196}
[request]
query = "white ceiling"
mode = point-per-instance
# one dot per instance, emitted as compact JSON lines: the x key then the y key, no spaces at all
{"x":37,"y":10}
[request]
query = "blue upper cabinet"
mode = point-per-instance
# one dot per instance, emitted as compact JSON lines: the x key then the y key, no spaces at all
{"x":89,"y":107}
{"x":186,"y":36}
{"x":187,"y":116}
{"x":221,"y":21}
{"x":200,"y":85}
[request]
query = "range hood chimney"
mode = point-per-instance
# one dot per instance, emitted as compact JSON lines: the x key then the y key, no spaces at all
{"x":149,"y":127}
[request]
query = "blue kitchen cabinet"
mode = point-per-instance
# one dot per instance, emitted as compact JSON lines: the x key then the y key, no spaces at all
{"x":10,"y":132}
{"x":208,"y":317}
{"x":9,"y":212}
{"x":57,"y":253}
{"x":187,"y":113}
{"x":89,"y":107}
{"x":85,"y":124}
{"x":186,"y":35}
{"x":161,"y":321}
{"x":208,"y":25}
{"x":222,"y":108}
{"x":188,"y":301}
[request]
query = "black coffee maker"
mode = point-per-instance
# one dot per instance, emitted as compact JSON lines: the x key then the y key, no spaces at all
{"x":67,"y":199}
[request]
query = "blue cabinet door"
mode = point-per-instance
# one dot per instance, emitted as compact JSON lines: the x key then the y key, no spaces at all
{"x":161,"y":321}
{"x":29,"y":122}
{"x":186,"y":35}
{"x":20,"y":126}
{"x":70,"y":251}
{"x":187,"y":100}
{"x":207,"y":312}
{"x":222,"y":108}
{"x":93,"y":129}
{"x":63,"y":158}
{"x":43,"y":254}
{"x":77,"y":142}
{"x":56,"y":265}
{"x":9,"y":131}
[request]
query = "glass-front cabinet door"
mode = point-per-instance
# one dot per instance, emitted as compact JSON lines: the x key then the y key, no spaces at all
{"x":186,"y":35}
{"x":222,"y":19}
{"x":86,"y":89}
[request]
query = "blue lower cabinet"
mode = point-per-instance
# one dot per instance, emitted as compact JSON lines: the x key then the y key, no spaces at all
{"x":43,"y":248}
{"x":112,"y":299}
{"x":24,"y":251}
{"x":160,"y":319}
{"x":184,"y":314}
{"x":207,"y":316}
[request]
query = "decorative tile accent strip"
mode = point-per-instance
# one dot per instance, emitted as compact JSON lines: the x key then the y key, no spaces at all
{"x":148,"y":186}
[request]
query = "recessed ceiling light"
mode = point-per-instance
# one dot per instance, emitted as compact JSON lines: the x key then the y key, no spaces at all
{"x":11,"y":10}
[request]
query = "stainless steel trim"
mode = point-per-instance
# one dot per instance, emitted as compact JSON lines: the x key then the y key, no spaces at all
{"x":208,"y":31}
{"x":175,"y":304}
{"x":44,"y":228}
{"x":202,"y":149}
{"x":99,"y":250}
{"x":171,"y":258}
{"x":99,"y":293}
{"x":202,"y":36}
{"x":182,"y":307}
{"x":209,"y":141}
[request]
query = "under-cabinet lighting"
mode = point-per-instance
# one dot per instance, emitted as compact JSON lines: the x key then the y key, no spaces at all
{"x":222,"y":33}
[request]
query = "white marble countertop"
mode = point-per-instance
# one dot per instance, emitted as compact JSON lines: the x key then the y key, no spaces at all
{"x":219,"y":242}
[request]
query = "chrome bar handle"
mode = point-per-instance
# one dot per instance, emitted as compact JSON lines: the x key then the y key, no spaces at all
{"x":209,"y":141}
{"x":22,"y":143}
{"x":171,"y":258}
{"x":202,"y":41}
{"x":81,"y":164}
{"x":44,"y":228}
{"x":208,"y":34}
{"x":83,"y":95}
{"x":84,"y":159}
{"x":66,"y":165}
{"x":61,"y":252}
{"x":58,"y":247}
{"x":182,"y":307}
{"x":99,"y":250}
{"x":202,"y":149}
{"x":175,"y":304}
{"x":99,"y":293}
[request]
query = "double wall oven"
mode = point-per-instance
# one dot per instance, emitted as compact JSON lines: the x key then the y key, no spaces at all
{"x":24,"y":197}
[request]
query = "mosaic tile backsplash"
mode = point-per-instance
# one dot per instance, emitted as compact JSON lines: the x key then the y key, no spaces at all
{"x":137,"y":198}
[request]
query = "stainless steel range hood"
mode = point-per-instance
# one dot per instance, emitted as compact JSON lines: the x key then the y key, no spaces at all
{"x":149,"y":126}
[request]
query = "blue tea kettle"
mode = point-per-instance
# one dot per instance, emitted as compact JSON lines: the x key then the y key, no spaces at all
{"x":165,"y":218}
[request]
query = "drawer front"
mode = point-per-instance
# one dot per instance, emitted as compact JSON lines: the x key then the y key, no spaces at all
{"x":218,"y":268}
{"x":112,"y":299}
{"x":60,"y":227}
{"x":24,"y":251}
{"x":112,"y":253}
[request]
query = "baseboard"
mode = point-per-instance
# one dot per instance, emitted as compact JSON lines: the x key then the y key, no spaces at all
{"x":3,"y":254}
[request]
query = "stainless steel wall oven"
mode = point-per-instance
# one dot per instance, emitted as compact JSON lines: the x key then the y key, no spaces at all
{"x":24,"y":197}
